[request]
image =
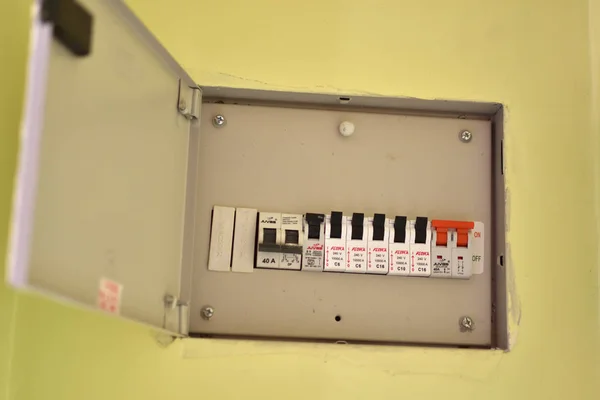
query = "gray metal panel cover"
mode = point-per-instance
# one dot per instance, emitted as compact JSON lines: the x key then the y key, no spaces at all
{"x":102,"y":173}
{"x":294,"y":160}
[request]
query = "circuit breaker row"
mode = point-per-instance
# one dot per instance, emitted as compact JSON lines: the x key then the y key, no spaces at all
{"x":243,"y":239}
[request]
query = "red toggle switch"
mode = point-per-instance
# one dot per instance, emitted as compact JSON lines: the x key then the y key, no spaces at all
{"x":462,"y":231}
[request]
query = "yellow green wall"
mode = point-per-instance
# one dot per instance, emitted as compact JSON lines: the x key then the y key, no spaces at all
{"x":532,"y":55}
{"x":13,"y":52}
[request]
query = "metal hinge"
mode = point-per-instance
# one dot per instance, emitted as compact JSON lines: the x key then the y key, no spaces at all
{"x":176,"y":316}
{"x":188,"y":101}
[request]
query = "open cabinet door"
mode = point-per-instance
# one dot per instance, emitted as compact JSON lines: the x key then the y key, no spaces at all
{"x":104,"y":158}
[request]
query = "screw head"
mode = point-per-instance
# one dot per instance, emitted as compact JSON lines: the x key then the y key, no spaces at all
{"x":182,"y":106}
{"x":346,"y":128}
{"x":219,"y":121}
{"x":466,"y":324}
{"x":169,"y":301}
{"x":465,"y":136}
{"x":207,"y":312}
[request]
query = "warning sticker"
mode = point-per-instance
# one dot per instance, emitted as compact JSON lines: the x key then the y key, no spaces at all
{"x":109,"y":296}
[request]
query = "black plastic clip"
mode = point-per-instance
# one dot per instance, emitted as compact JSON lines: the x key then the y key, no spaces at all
{"x":357,"y":226}
{"x":400,"y":230}
{"x":336,"y":225}
{"x":314,"y":222}
{"x":72,"y":24}
{"x":421,"y":230}
{"x":378,"y":226}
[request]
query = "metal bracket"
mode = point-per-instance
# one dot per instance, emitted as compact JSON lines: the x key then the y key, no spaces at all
{"x":176,"y":316}
{"x":184,"y":318}
{"x":188,"y":101}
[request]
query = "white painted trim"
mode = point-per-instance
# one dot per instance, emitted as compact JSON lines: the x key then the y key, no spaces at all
{"x":29,"y":148}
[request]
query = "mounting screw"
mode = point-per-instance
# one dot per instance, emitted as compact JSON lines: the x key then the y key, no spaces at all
{"x":466,"y":324}
{"x":465,"y":136}
{"x":207,"y":312}
{"x":182,"y":105}
{"x":219,"y":121}
{"x":169,"y":301}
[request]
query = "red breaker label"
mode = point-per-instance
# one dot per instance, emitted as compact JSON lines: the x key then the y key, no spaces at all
{"x":313,"y":256}
{"x":399,"y":260}
{"x":335,"y":257}
{"x":378,"y":260}
{"x":357,"y":259}
{"x":420,"y":260}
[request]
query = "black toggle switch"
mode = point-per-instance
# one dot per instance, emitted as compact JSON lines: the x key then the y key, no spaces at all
{"x":421,"y":230}
{"x":291,"y":236}
{"x":357,"y":226}
{"x":314,"y":222}
{"x":400,"y":229}
{"x":378,"y":226}
{"x":269,"y":236}
{"x":336,"y":225}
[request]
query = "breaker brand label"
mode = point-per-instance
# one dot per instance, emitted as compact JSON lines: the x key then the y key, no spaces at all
{"x":399,"y":261}
{"x":378,"y":260}
{"x":313,"y":256}
{"x":334,"y":258}
{"x":441,"y":266}
{"x":420,"y":262}
{"x":357,"y":259}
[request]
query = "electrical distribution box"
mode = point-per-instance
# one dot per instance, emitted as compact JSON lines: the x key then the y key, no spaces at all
{"x":200,"y":210}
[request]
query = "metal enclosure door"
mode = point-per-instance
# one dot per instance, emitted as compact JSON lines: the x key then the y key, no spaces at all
{"x":101,"y":185}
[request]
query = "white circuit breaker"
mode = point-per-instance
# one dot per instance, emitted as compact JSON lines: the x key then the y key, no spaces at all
{"x":356,"y":244}
{"x":221,"y":238}
{"x":420,"y":247}
{"x":268,"y":252}
{"x":378,"y":245}
{"x":441,"y":253}
{"x":242,"y":257}
{"x":335,"y":242}
{"x":462,"y":259}
{"x":399,"y":246}
{"x":314,"y":242}
{"x":291,"y":237}
{"x":456,"y":240}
